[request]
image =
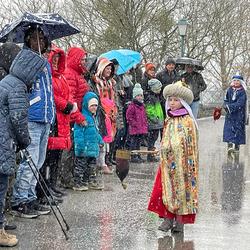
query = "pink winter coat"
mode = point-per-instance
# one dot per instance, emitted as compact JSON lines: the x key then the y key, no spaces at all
{"x":136,"y":118}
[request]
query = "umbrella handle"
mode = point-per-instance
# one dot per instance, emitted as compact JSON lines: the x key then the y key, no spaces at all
{"x":38,"y":41}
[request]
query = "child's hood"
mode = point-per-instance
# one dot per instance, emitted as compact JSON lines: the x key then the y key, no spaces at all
{"x":89,"y":95}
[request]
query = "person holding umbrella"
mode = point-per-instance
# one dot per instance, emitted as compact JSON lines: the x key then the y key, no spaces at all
{"x":197,"y":84}
{"x":41,"y":115}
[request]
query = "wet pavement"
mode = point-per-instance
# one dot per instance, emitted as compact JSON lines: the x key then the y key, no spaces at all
{"x":118,"y":219}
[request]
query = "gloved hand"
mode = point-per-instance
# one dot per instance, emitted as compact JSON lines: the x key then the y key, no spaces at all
{"x":217,"y":113}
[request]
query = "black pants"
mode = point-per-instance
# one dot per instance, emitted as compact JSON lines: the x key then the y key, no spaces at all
{"x":84,"y":170}
{"x":67,"y":164}
{"x":49,"y":171}
{"x":152,"y":138}
{"x":51,"y":164}
{"x":135,"y":141}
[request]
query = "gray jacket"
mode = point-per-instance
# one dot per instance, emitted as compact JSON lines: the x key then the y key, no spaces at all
{"x":14,"y":106}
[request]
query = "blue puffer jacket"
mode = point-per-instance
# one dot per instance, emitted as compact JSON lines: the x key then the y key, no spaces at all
{"x":42,"y":107}
{"x":87,"y":139}
{"x":14,"y":105}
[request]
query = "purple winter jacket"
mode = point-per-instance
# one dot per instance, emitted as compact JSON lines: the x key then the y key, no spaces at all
{"x":137,"y":118}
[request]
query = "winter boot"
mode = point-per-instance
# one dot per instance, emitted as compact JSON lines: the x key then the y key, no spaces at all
{"x":96,"y":178}
{"x":178,"y":228}
{"x":81,"y":187}
{"x":230,"y":149}
{"x":7,"y":240}
{"x":166,"y":225}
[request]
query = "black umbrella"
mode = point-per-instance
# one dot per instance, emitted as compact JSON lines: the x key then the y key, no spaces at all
{"x":53,"y":25}
{"x":182,"y":61}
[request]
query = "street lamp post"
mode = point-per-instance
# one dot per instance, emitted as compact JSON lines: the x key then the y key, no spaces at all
{"x":182,"y":26}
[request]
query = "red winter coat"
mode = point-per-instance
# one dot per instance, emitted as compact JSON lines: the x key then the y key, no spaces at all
{"x":60,"y":138}
{"x":76,"y":81}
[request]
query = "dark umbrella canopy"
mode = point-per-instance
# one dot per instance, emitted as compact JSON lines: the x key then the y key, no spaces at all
{"x":182,"y":61}
{"x":54,"y":26}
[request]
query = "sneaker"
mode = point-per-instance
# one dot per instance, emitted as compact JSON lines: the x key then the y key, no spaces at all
{"x":107,"y":170}
{"x":96,"y":185}
{"x":39,"y":208}
{"x":81,"y":187}
{"x":166,"y":225}
{"x":7,"y":240}
{"x":24,"y":211}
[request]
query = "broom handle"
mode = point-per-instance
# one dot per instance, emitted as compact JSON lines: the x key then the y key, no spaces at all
{"x":144,"y":152}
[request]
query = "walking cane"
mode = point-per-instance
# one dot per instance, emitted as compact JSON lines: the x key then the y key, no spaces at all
{"x":29,"y":160}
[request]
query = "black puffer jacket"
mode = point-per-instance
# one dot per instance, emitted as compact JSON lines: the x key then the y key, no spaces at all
{"x":14,"y":106}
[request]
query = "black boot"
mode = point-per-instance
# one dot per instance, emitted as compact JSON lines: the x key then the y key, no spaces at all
{"x":58,"y":191}
{"x":107,"y":161}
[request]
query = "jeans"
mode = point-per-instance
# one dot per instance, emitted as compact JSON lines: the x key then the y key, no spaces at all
{"x":195,"y":108}
{"x":3,"y":190}
{"x":25,"y":186}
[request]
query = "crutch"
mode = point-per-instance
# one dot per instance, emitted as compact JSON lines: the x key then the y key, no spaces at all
{"x":29,"y":160}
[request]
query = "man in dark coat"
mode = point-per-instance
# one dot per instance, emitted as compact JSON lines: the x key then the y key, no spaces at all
{"x":14,"y":120}
{"x":41,"y":115}
{"x":197,"y":84}
{"x":167,"y":76}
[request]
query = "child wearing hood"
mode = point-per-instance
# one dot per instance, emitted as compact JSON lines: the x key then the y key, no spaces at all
{"x":236,"y":119}
{"x":87,"y":146}
{"x":175,"y":191}
{"x":137,"y":121}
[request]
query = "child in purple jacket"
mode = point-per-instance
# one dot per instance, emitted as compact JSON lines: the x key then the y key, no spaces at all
{"x":137,"y":121}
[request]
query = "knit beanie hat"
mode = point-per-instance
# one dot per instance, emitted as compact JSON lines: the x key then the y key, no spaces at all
{"x":155,"y":85}
{"x":149,"y":66}
{"x":137,"y":90}
{"x":92,"y":101}
{"x":179,"y":90}
{"x":170,"y":60}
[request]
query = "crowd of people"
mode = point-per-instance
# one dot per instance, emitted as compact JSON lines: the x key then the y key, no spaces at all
{"x":71,"y":112}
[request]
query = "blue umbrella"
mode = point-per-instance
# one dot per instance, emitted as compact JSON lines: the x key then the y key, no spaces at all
{"x":54,"y":26}
{"x":125,"y":57}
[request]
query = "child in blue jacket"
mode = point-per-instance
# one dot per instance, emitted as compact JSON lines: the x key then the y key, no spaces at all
{"x":87,"y":141}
